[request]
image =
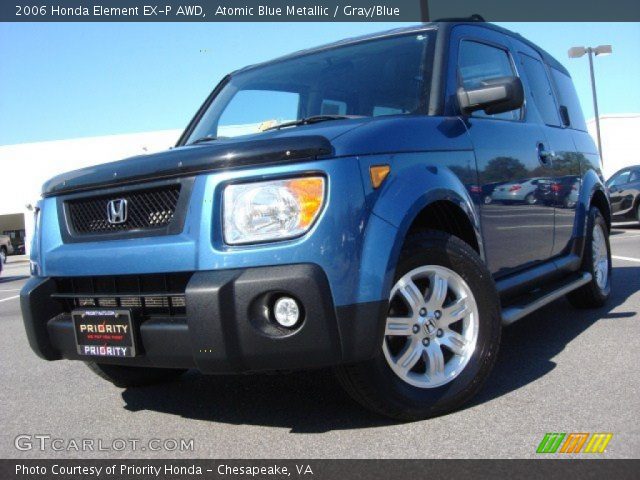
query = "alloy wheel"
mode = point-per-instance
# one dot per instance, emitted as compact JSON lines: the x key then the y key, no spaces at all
{"x":432,"y":326}
{"x":600,"y":257}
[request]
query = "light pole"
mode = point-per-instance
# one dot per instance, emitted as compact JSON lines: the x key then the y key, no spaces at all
{"x":577,"y":52}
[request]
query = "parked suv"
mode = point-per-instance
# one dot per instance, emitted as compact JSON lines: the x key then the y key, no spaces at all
{"x":314,"y":213}
{"x":624,"y":190}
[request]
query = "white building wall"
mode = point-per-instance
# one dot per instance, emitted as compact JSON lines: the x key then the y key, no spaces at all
{"x":25,"y":167}
{"x":620,"y":136}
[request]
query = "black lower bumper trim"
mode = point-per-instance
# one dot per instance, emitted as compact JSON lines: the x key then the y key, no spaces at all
{"x":166,"y":343}
{"x":228,"y":327}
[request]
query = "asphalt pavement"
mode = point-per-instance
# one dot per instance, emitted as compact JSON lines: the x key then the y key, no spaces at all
{"x":559,"y":370}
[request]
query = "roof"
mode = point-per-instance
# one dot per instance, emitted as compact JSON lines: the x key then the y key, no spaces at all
{"x":551,"y":61}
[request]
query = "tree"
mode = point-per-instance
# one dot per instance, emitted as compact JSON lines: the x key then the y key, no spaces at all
{"x":501,"y":169}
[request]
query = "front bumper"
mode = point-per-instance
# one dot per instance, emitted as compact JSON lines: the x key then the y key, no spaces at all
{"x":227,"y":326}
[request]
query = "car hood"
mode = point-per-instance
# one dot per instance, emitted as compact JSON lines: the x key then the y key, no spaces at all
{"x":337,"y":138}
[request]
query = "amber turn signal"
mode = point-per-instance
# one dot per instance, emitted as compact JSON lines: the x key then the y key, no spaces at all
{"x":378,"y":173}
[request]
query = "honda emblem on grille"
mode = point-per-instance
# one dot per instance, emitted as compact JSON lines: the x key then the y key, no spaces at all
{"x":117,"y":211}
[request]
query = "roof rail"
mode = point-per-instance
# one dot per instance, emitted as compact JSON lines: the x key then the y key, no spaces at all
{"x":472,"y":18}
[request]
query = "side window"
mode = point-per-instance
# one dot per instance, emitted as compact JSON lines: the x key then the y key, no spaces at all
{"x":635,"y":176}
{"x":568,"y":98}
{"x":620,"y":179}
{"x":478,"y":62}
{"x":541,"y":90}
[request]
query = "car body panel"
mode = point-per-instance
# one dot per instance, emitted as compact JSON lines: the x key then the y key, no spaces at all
{"x":416,"y":181}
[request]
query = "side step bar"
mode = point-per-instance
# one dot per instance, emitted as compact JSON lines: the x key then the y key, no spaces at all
{"x":516,"y":312}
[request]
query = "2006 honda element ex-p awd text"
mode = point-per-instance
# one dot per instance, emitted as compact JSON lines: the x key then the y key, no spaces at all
{"x":332,"y":208}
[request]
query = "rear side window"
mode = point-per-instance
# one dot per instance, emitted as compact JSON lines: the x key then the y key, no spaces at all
{"x":478,"y":62}
{"x":568,"y":99}
{"x":541,"y":90}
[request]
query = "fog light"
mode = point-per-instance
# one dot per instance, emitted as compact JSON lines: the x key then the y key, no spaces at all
{"x":286,"y":311}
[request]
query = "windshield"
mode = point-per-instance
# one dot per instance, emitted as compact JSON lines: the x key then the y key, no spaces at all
{"x":377,"y":77}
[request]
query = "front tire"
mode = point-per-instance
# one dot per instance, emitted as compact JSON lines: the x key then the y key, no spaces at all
{"x":124,"y":376}
{"x":597,"y":261}
{"x":442,"y":333}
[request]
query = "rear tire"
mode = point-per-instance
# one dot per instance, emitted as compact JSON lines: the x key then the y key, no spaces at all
{"x":595,"y":293}
{"x":431,"y":388}
{"x":124,"y":376}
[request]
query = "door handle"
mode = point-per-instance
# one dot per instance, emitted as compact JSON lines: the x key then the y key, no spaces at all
{"x":545,"y":156}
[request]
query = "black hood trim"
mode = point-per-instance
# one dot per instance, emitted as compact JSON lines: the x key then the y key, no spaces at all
{"x":190,"y":160}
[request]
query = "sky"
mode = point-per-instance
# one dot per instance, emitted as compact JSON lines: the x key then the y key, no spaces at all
{"x":60,"y":81}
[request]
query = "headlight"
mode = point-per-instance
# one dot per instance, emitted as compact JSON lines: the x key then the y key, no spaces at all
{"x":273,"y":210}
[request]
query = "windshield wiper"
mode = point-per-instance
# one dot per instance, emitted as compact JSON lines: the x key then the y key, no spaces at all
{"x":312,"y":119}
{"x":208,"y":138}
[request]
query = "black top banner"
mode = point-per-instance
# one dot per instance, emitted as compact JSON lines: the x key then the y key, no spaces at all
{"x":315,"y":10}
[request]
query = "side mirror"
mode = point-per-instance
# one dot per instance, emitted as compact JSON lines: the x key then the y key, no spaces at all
{"x":494,"y":95}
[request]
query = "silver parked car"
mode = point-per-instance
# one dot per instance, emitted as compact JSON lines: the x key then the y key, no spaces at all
{"x":518,"y":191}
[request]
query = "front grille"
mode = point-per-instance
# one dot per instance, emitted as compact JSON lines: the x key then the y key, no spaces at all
{"x":147,"y":209}
{"x":148,"y":295}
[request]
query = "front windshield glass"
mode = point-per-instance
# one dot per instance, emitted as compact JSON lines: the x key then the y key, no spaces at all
{"x":377,"y":77}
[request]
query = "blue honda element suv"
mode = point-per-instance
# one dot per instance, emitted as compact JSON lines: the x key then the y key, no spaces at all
{"x":328,"y":209}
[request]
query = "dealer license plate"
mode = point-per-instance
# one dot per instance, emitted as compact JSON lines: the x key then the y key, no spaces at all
{"x":104,"y":333}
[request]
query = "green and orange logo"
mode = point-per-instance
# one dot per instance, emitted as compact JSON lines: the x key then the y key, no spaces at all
{"x":573,"y":443}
